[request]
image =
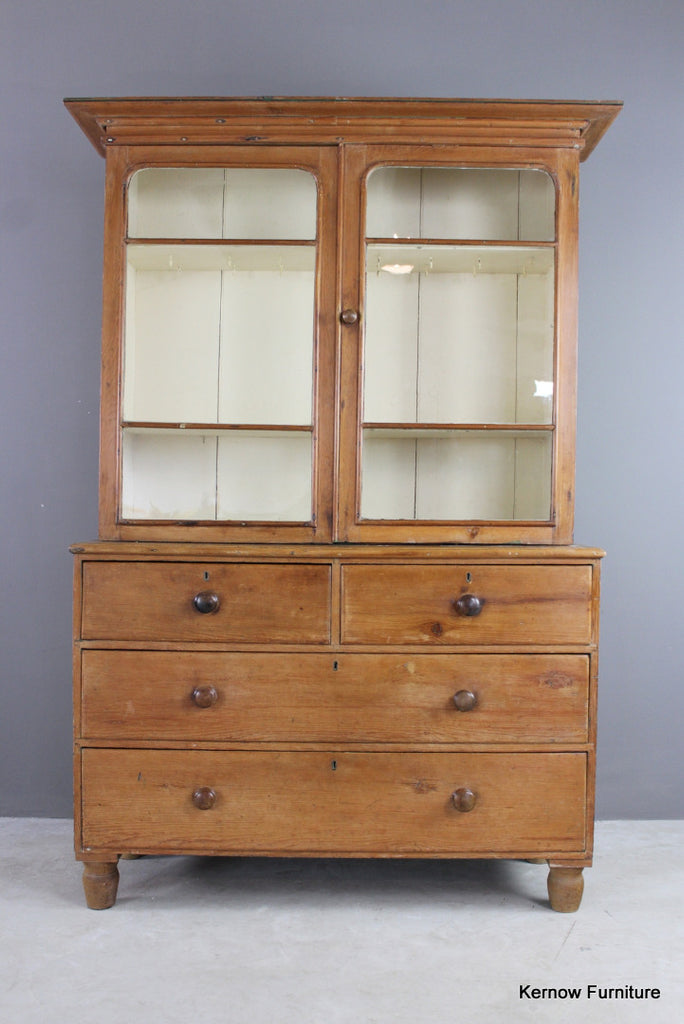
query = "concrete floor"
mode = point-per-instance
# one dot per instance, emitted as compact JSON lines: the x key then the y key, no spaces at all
{"x":338,"y":942}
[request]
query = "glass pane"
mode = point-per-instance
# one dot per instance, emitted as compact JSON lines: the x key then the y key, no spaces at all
{"x":267,"y":334}
{"x":176,"y":202}
{"x":188,"y":202}
{"x":456,"y":475}
{"x":270,"y":203}
{"x":264,"y":475}
{"x":459,"y":334}
{"x":168,"y":475}
{"x":458,"y":202}
{"x":243,"y":475}
{"x":219,"y":334}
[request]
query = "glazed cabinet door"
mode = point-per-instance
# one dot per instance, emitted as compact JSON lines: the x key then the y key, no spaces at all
{"x":458,"y":344}
{"x":221,"y":350}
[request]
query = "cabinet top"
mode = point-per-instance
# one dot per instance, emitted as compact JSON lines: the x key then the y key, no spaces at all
{"x":440,"y":553}
{"x":184,"y":121}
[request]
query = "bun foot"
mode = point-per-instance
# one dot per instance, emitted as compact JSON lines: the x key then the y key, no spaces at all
{"x":565,"y":886}
{"x":100,"y":882}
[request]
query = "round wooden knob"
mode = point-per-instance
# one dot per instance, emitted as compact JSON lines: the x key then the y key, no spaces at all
{"x":205,"y":696}
{"x":349,"y":316}
{"x":204,"y":798}
{"x":465,"y":700}
{"x":463,"y":799}
{"x":468,"y":605}
{"x":206,"y":602}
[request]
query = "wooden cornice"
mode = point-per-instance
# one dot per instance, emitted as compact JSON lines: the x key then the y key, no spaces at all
{"x":310,"y":121}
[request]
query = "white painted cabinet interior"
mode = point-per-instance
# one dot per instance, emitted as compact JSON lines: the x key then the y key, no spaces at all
{"x":459,"y":340}
{"x":458,"y":357}
{"x":458,"y":202}
{"x":217,"y":202}
{"x":219,"y":336}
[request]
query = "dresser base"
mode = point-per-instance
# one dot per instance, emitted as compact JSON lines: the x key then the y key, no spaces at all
{"x":437,"y":703}
{"x":101,"y":882}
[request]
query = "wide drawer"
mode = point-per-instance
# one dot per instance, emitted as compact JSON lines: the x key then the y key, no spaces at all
{"x":265,"y":603}
{"x":452,"y":604}
{"x":332,"y":802}
{"x":436,"y":698}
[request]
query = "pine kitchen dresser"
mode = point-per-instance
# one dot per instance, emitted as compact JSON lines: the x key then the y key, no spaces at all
{"x":335,"y":608}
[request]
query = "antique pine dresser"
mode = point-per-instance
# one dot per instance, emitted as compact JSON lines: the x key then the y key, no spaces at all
{"x":334,"y":608}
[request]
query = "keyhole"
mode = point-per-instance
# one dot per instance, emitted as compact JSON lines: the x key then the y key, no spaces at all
{"x":469,"y":577}
{"x":206,"y":575}
{"x":335,"y":666}
{"x":333,"y":766}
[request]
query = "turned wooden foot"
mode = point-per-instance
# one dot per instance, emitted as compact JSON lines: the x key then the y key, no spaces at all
{"x":565,"y":886}
{"x":100,"y":882}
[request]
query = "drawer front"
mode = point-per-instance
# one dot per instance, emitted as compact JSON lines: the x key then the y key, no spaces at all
{"x":156,"y":601}
{"x":329,"y":802}
{"x":507,"y":604}
{"x":431,"y":698}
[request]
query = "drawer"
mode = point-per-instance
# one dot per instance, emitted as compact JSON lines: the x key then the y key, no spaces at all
{"x":332,"y":802}
{"x":341,"y":698}
{"x":454,"y":604}
{"x":156,"y":601}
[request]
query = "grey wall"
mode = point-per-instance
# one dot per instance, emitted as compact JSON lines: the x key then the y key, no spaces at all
{"x":630,"y":479}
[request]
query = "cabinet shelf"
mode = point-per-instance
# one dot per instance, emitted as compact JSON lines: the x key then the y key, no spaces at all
{"x":484,"y":243}
{"x":150,"y":427}
{"x":222,"y":242}
{"x":430,"y":257}
{"x":439,"y":429}
{"x":161,"y":255}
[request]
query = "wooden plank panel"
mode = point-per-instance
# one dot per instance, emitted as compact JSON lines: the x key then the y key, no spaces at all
{"x":328,"y":802}
{"x":417,"y":604}
{"x":154,"y":601}
{"x":334,"y":698}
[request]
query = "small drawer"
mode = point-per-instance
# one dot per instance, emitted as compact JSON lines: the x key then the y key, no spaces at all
{"x":186,"y":601}
{"x":287,"y":802}
{"x":455,"y":604}
{"x":392,"y":698}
